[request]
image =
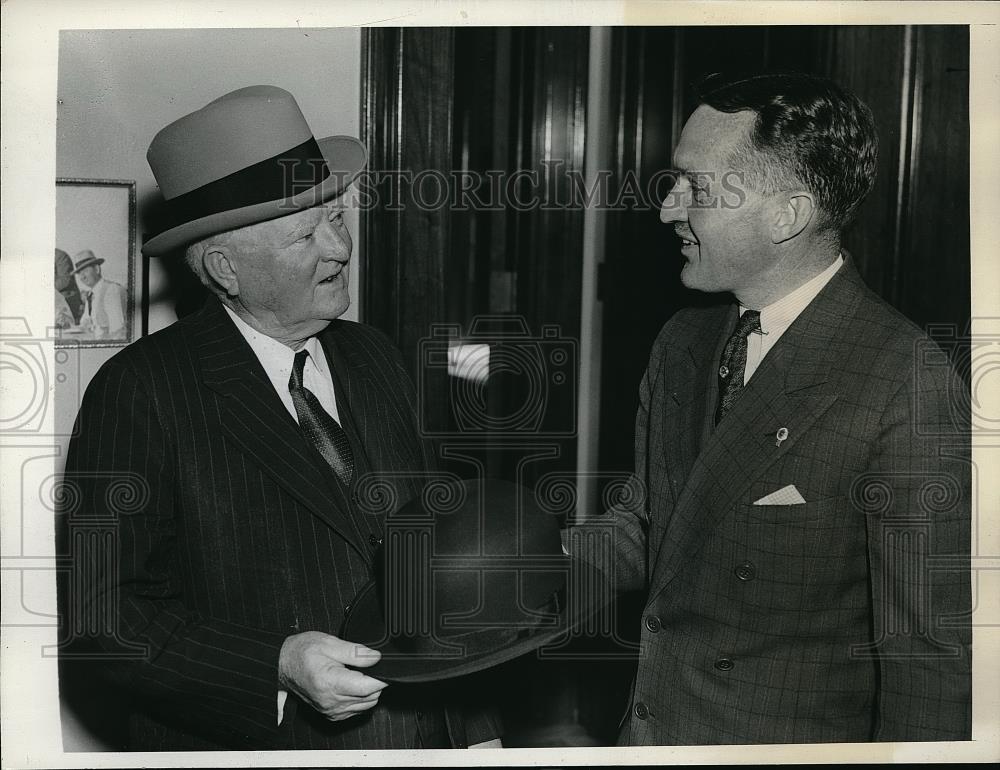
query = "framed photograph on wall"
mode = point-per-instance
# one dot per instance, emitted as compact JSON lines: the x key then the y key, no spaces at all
{"x":95,"y":263}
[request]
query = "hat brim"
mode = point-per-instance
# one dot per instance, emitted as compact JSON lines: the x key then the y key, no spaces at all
{"x":345,"y":156}
{"x":364,"y":625}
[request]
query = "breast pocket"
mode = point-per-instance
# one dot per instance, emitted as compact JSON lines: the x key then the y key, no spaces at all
{"x":832,"y":508}
{"x":805,"y":555}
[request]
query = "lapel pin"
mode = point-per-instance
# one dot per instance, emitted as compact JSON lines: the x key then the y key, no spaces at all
{"x":781,"y":435}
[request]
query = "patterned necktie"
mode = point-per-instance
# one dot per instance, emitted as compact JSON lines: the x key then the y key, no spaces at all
{"x":90,"y":303}
{"x":318,"y":426}
{"x":734,"y":362}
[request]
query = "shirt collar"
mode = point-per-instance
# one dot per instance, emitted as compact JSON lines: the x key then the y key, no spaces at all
{"x":779,"y":315}
{"x":276,"y":357}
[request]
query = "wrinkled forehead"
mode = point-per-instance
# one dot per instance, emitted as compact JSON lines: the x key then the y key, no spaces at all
{"x":710,"y":137}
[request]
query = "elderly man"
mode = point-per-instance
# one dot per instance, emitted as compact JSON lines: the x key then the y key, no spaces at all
{"x":228,"y":460}
{"x":803,"y":534}
{"x":103,"y":302}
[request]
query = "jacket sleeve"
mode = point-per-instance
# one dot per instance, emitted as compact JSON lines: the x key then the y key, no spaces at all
{"x":122,"y":606}
{"x":916,"y":495}
{"x":616,"y":541}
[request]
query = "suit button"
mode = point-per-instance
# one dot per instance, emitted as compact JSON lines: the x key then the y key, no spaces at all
{"x":653,"y":624}
{"x":374,"y":542}
{"x":724,"y":664}
{"x":746,"y":571}
{"x":641,"y":710}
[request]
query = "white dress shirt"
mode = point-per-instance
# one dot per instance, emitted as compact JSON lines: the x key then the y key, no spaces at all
{"x":277,"y":359}
{"x":778,"y":316}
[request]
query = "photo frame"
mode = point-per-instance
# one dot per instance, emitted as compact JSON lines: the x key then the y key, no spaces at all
{"x":96,"y":263}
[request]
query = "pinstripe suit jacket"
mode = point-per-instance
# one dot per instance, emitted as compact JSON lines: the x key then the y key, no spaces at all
{"x":842,"y":619}
{"x":203,"y":530}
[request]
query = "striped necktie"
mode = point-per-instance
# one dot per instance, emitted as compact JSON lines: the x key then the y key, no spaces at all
{"x":318,"y":426}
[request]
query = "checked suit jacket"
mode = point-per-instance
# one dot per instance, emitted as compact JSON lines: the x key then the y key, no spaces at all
{"x":843,"y":619}
{"x":201,"y":529}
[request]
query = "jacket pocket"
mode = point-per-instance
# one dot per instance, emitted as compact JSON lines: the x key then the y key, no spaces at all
{"x":817,"y":510}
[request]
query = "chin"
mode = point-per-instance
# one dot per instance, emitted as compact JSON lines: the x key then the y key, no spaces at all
{"x":337,"y":308}
{"x":331,"y":304}
{"x":690,"y":279}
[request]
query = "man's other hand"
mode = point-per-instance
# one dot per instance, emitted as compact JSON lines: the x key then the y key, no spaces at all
{"x":313,"y":665}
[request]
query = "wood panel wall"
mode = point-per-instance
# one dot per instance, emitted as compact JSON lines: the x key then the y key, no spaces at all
{"x":506,"y":101}
{"x":911,"y":238}
{"x":406,"y":120}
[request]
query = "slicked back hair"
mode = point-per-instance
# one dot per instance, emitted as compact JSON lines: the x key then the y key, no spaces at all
{"x":809,"y":133}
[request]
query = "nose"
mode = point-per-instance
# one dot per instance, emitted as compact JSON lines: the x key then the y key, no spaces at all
{"x":675,"y":204}
{"x":335,"y":241}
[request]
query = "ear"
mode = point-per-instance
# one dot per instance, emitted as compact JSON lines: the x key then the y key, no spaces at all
{"x":792,"y":216}
{"x":220,"y":266}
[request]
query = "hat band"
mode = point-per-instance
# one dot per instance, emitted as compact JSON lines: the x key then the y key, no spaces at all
{"x":273,"y":179}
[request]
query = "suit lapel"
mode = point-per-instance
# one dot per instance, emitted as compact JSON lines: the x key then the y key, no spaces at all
{"x":352,"y":377}
{"x":787,"y":391}
{"x":692,"y":379}
{"x":350,"y":372}
{"x":255,"y":420}
{"x":368,"y":387}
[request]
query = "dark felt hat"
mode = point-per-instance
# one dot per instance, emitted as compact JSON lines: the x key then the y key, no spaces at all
{"x":470,"y":574}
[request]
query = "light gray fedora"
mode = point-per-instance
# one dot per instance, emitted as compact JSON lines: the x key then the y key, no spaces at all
{"x":84,"y":259}
{"x":247,"y":157}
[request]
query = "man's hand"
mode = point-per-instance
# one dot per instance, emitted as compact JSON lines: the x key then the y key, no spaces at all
{"x":313,"y":665}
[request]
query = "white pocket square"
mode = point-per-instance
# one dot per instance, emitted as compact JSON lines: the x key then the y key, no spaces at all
{"x":785,"y":496}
